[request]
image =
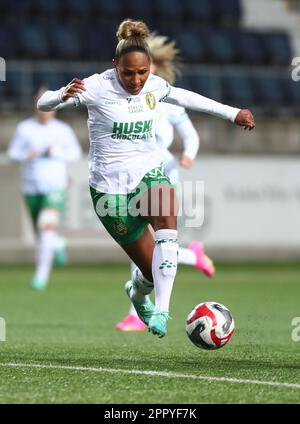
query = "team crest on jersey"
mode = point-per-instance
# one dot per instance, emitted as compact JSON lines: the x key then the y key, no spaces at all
{"x":151,"y":100}
{"x":120,"y":228}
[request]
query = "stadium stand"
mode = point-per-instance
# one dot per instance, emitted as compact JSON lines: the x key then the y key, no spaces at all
{"x":108,"y":10}
{"x":47,"y":9}
{"x":136,"y":9}
{"x":9,"y":42}
{"x":228,"y":12}
{"x":208,"y":33}
{"x":200,"y":12}
{"x":237,"y":90}
{"x":249,"y":48}
{"x":34,"y":42}
{"x":169,"y":10}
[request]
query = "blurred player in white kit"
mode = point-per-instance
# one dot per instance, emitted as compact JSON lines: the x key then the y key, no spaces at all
{"x":44,"y":145}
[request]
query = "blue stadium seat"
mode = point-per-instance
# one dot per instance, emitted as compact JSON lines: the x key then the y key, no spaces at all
{"x":51,"y":9}
{"x":20,"y":10}
{"x":2,"y":90}
{"x":268,"y":90}
{"x":53,"y":80}
{"x":169,"y":10}
{"x":278,"y":48}
{"x":33,"y":41}
{"x":9,"y":42}
{"x":291,"y":91}
{"x":183,"y":82}
{"x":249,"y":48}
{"x":13,"y":83}
{"x":237,"y":91}
{"x":76,"y":8}
{"x":192,"y":46}
{"x":206,"y":85}
{"x":168,"y":29}
{"x":4,"y":8}
{"x":143,"y":10}
{"x":220,"y":48}
{"x":228,"y":12}
{"x":200,"y":11}
{"x":103,"y":9}
{"x":65,"y":42}
{"x":78,"y":73}
{"x":99,"y":44}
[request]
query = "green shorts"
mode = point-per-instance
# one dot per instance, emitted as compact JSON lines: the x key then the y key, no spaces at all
{"x":37,"y":202}
{"x":125,"y":227}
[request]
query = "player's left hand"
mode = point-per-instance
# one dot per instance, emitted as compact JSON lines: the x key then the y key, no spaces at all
{"x":245,"y":119}
{"x":74,"y":87}
{"x":186,"y":161}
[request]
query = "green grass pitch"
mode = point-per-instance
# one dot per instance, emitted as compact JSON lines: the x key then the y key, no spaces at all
{"x":61,"y":345}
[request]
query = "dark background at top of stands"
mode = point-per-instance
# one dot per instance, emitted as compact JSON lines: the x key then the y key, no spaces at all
{"x":208,"y":32}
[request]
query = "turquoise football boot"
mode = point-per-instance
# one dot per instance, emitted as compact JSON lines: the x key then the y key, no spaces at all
{"x":144,"y":310}
{"x":38,"y":284}
{"x":158,"y":323}
{"x":61,"y":257}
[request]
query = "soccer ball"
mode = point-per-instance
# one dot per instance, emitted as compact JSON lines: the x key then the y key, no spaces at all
{"x":210,"y":325}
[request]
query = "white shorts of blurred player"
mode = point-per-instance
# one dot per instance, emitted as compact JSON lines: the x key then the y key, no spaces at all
{"x":48,"y":219}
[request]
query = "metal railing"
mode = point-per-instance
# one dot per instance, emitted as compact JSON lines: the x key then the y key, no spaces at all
{"x":24,"y":77}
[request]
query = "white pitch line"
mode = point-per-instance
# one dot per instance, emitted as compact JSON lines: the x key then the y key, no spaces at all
{"x":166,"y":374}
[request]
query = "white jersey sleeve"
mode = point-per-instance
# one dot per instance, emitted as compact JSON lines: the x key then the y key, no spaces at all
{"x":190,"y":137}
{"x":163,"y":89}
{"x":52,"y":100}
{"x":194,"y":101}
{"x":92,"y":91}
{"x":18,"y":149}
{"x":169,"y":117}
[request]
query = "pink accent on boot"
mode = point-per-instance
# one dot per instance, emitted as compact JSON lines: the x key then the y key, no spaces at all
{"x":131,"y":323}
{"x":204,"y":263}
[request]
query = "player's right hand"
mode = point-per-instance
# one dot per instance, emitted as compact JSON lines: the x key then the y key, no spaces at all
{"x":185,"y":161}
{"x":74,"y":87}
{"x":33,"y":153}
{"x":245,"y":119}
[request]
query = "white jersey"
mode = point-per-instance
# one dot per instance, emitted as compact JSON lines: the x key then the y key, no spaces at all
{"x":47,"y":172}
{"x":122,"y":134}
{"x":121,"y":126}
{"x":169,"y":117}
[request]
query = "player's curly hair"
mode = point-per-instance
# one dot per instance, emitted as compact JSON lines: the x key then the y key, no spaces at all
{"x":132,"y":36}
{"x":165,"y":56}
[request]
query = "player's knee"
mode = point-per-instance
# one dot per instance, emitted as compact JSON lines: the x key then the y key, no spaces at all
{"x":162,"y":201}
{"x":48,"y":219}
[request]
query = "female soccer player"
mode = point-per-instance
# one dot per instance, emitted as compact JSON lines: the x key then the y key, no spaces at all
{"x":165,"y":64}
{"x":125,"y":164}
{"x":44,"y":145}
